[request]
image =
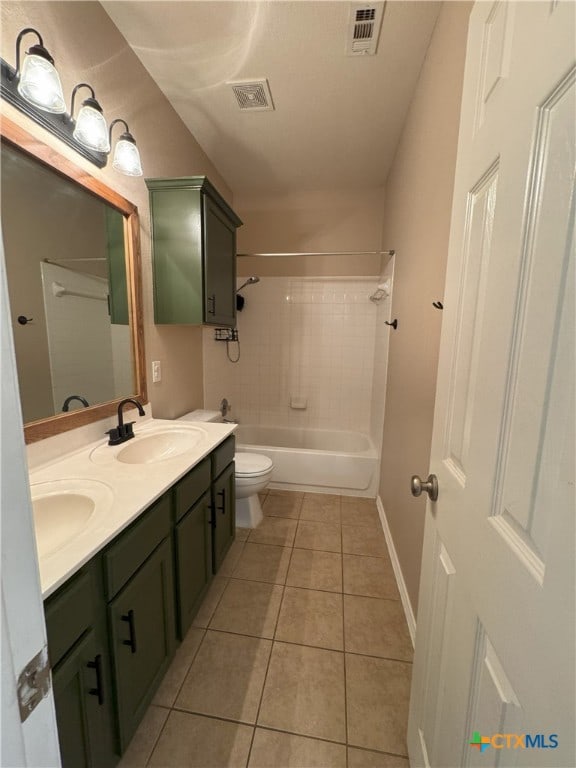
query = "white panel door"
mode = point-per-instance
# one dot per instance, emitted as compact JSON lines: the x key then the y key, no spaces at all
{"x":495,"y":645}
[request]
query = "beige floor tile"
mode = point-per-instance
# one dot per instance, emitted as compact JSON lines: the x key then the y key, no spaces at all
{"x":178,"y":669}
{"x":315,"y":570}
{"x":248,"y":608}
{"x":376,"y":627}
{"x":227,"y":677}
{"x":287,"y":494}
{"x":321,"y":508}
{"x":321,"y":536}
{"x":304,"y":692}
{"x":284,"y":505}
{"x":377,"y":696}
{"x":145,"y":738}
{"x":193,"y":741}
{"x":362,"y":540}
{"x":231,"y":559}
{"x":272,"y":749}
{"x":274,"y":530}
{"x":369,"y":576}
{"x":359,"y":501}
{"x":263,"y":562}
{"x":242,"y":533}
{"x":361,"y":514}
{"x":311,"y":618}
{"x":363,"y":758}
{"x":206,"y":610}
{"x":262,"y":495}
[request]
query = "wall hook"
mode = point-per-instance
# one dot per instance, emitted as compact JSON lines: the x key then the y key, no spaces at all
{"x":394,"y":323}
{"x":438,"y":304}
{"x":23,"y":320}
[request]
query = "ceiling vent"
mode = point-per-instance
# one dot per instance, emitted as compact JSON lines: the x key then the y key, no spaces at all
{"x":253,"y":95}
{"x":364,"y":28}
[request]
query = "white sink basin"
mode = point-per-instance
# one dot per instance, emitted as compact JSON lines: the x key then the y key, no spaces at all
{"x":152,"y":446}
{"x":64,"y":509}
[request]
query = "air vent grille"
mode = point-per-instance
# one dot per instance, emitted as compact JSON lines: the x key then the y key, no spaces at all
{"x":364,"y":28}
{"x":253,"y":95}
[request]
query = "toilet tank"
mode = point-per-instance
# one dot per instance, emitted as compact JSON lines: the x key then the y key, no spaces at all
{"x":201,"y":415}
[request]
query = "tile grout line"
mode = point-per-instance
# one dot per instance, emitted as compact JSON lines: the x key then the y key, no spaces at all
{"x":344,"y":638}
{"x":272,"y":645}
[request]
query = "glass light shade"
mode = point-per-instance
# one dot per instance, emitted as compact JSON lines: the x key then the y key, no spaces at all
{"x":127,"y":158}
{"x":91,"y":130}
{"x":40,"y":84}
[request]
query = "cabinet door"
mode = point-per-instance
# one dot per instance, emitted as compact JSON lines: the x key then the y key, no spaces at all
{"x":84,"y":706}
{"x":223,"y":515}
{"x":193,"y":561}
{"x":116,"y":261}
{"x":143,"y":637}
{"x":219,"y":266}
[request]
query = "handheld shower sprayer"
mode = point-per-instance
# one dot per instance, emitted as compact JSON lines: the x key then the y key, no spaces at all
{"x":240,"y":299}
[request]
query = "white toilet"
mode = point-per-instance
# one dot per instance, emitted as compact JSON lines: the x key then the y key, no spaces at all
{"x":253,"y":472}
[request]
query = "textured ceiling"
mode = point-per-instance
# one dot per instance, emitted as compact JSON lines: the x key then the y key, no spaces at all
{"x":337,"y":118}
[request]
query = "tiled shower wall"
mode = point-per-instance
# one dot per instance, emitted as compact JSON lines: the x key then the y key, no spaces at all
{"x":307,"y":355}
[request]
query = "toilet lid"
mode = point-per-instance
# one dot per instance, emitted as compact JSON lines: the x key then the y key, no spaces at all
{"x":250,"y":464}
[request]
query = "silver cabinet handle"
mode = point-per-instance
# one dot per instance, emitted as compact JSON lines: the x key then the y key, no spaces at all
{"x":429,"y":486}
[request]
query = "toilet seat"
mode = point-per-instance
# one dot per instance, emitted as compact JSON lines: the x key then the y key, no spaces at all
{"x":252,"y":464}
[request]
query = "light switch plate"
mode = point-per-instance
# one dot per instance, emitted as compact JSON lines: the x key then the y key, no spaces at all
{"x":156,"y":371}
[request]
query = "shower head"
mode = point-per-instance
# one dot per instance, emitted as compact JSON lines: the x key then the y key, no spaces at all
{"x":248,"y":282}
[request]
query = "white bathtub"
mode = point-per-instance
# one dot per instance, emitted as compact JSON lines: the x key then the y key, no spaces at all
{"x":321,"y":460}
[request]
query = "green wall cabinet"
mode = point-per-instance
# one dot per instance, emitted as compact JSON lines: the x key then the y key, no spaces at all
{"x":116,"y":262}
{"x":194,"y":252}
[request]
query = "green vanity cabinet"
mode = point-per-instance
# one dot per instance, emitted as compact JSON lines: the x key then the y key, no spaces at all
{"x":113,"y":626}
{"x":223,"y":501}
{"x":193,"y":547}
{"x":138,"y":568}
{"x":194,"y":252}
{"x":83,"y":705}
{"x":81,"y":675}
{"x":223,"y":515}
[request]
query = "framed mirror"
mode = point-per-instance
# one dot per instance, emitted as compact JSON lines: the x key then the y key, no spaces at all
{"x":71,"y":247}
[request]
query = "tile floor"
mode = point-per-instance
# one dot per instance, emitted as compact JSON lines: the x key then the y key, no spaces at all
{"x":300,"y":655}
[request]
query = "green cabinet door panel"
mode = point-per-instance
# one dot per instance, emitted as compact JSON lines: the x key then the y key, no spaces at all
{"x":219,"y":266}
{"x":84,"y":707}
{"x":142,"y":629}
{"x":116,"y":260}
{"x":223,"y":515}
{"x":193,"y":561}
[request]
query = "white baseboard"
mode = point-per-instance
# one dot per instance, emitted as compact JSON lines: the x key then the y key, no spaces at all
{"x":406,"y":604}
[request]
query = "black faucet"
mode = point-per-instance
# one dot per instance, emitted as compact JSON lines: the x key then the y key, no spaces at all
{"x":124,"y":432}
{"x":66,"y":406}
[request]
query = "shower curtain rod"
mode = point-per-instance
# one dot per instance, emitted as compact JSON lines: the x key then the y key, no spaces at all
{"x":78,"y":258}
{"x":324,"y":253}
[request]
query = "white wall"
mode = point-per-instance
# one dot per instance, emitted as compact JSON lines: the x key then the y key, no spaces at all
{"x":304,"y":338}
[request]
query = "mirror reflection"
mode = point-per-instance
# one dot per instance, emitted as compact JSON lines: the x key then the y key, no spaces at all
{"x":67,"y":281}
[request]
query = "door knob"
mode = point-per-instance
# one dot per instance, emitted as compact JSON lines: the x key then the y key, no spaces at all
{"x":429,"y":486}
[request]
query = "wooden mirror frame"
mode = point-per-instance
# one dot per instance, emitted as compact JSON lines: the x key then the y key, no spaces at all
{"x":16,"y":136}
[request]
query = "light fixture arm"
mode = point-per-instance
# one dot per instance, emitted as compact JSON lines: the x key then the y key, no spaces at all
{"x":126,"y":135}
{"x":39,"y":49}
{"x":76,"y":88}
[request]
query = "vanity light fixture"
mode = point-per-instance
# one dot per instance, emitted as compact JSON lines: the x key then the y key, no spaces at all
{"x":90,"y":129}
{"x":36,"y":91}
{"x":38,"y":80}
{"x":126,"y":155}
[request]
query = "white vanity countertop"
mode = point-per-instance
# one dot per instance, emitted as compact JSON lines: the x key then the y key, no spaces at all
{"x":134,"y":488}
